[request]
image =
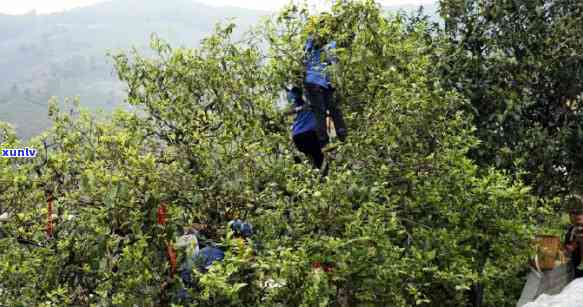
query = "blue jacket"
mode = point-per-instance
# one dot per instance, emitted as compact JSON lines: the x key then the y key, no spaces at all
{"x":305,"y":120}
{"x":204,"y":259}
{"x":316,"y":68}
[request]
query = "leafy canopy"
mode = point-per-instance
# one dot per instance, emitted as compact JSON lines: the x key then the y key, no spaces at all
{"x":404,"y":218}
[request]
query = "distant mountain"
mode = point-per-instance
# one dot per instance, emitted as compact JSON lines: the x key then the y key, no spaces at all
{"x":64,"y":54}
{"x":430,"y":9}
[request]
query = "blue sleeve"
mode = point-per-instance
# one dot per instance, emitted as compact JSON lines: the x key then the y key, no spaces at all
{"x":291,"y":97}
{"x":309,"y":43}
{"x":332,"y":55}
{"x":308,"y":50}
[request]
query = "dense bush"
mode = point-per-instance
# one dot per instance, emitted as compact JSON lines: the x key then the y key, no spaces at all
{"x":519,"y":65}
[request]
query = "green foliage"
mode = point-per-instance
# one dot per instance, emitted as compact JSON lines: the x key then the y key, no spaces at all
{"x":404,"y":218}
{"x":519,"y":63}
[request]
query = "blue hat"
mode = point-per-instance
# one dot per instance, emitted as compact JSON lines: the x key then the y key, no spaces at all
{"x":241,"y":228}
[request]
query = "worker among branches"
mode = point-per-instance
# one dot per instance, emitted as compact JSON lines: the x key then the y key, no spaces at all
{"x":319,"y":62}
{"x":574,"y":235}
{"x":304,"y":132}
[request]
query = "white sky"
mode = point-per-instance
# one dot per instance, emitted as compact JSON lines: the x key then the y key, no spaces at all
{"x":49,"y":6}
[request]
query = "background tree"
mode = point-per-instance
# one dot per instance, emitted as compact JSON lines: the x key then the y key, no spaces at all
{"x":519,"y":63}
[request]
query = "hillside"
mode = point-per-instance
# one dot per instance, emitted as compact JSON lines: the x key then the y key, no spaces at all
{"x":64,"y":54}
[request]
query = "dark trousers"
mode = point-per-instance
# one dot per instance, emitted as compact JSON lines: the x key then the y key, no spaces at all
{"x":576,"y":254}
{"x":322,"y":99}
{"x":308,"y":143}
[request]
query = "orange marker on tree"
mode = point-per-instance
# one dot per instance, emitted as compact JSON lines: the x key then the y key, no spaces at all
{"x":161,"y":214}
{"x":49,"y":228}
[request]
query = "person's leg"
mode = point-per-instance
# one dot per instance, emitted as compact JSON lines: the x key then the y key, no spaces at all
{"x":316,"y":98}
{"x":300,"y":140}
{"x":309,"y":144}
{"x":333,"y":105}
{"x":314,"y":149}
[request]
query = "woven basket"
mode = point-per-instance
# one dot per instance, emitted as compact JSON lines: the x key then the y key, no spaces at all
{"x":548,"y":248}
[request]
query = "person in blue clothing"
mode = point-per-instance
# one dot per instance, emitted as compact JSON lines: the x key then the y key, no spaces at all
{"x":201,"y":259}
{"x":319,"y":60}
{"x":304,"y":128}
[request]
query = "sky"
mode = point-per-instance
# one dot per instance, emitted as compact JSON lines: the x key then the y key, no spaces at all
{"x":50,"y":6}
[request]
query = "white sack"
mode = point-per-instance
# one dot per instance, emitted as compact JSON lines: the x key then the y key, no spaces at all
{"x":571,"y":296}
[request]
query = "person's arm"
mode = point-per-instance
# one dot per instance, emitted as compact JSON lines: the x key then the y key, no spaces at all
{"x":294,"y":110}
{"x":332,"y":51}
{"x":333,"y":64}
{"x":569,"y":245}
{"x":294,"y":97}
{"x":308,"y":50}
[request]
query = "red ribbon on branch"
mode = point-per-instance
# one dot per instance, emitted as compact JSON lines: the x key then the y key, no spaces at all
{"x":171,"y":252}
{"x":161,"y":214}
{"x":49,"y":228}
{"x":326,"y":267}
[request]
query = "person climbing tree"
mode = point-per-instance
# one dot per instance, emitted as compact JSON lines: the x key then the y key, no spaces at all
{"x":317,"y":82}
{"x":304,"y":128}
{"x":574,"y":235}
